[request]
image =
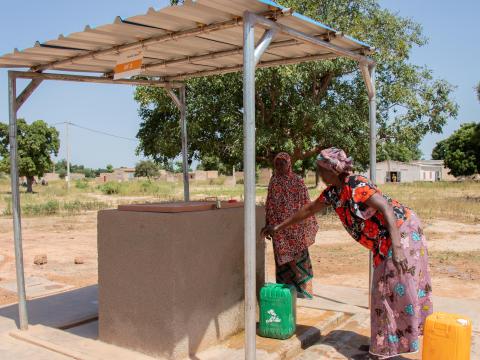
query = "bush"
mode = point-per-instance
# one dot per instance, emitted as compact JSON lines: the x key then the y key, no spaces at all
{"x":217,"y":181}
{"x":110,"y":188}
{"x":72,"y":207}
{"x":82,"y":184}
{"x":149,"y":187}
{"x":50,"y":207}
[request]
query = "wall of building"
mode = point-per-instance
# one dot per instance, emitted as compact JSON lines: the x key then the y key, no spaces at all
{"x":408,"y":172}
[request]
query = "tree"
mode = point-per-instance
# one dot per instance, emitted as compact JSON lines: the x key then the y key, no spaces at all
{"x":110,"y":168}
{"x":461,"y":151}
{"x":61,"y":169}
{"x":304,"y":108}
{"x":147,"y":169}
{"x":37,"y":142}
{"x":478,"y":91}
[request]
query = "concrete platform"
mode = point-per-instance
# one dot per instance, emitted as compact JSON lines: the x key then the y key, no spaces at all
{"x":37,"y":287}
{"x":312,"y":324}
{"x":79,"y":343}
{"x":344,"y":342}
{"x":335,"y":324}
{"x":73,"y":346}
{"x":12,"y":349}
{"x":57,"y":311}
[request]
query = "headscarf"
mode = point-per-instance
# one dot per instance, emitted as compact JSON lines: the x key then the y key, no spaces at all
{"x":287,"y":193}
{"x":335,"y":160}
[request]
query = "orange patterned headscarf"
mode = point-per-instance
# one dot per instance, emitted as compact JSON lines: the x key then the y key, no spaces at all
{"x":335,"y":160}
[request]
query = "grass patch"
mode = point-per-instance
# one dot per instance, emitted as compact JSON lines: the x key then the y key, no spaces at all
{"x":55,"y":207}
{"x":448,"y":257}
{"x":143,"y":188}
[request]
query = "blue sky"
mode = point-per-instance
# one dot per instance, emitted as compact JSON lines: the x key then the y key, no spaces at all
{"x":452,"y":53}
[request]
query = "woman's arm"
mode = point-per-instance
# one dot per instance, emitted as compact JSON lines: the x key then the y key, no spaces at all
{"x":306,"y":211}
{"x":378,"y":202}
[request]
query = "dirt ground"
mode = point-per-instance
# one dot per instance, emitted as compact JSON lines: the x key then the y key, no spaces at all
{"x":337,"y":259}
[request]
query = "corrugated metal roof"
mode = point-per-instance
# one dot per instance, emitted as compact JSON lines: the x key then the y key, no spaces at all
{"x":198,"y":38}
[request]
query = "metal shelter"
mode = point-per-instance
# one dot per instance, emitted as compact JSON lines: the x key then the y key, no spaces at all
{"x":199,"y":38}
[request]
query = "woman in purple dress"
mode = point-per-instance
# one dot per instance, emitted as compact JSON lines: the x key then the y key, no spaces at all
{"x":401,"y":289}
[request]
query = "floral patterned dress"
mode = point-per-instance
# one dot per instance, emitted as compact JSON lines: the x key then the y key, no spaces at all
{"x":400,"y":302}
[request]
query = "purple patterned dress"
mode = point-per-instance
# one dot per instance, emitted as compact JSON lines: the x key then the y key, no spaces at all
{"x":400,"y":302}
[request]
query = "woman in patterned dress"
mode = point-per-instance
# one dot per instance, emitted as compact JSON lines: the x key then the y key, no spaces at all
{"x":287,"y":194}
{"x":401,"y":291}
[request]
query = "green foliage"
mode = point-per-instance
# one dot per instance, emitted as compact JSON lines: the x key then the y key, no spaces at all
{"x":110,"y":168}
{"x":478,"y":91}
{"x":146,"y":168}
{"x":36,"y":143}
{"x":76,"y":206}
{"x":303,"y":108}
{"x":82,"y":184}
{"x":461,"y":151}
{"x":61,"y":169}
{"x":110,"y":188}
{"x":54,"y":207}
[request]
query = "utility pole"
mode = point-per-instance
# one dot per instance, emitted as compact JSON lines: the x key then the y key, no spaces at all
{"x":68,"y":157}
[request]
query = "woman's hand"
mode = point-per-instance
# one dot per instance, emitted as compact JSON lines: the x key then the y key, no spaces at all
{"x":399,"y":259}
{"x":268,"y":231}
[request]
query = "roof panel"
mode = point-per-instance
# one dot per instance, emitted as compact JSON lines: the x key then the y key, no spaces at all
{"x":180,"y":40}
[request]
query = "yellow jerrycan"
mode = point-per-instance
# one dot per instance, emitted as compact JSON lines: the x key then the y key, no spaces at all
{"x":447,"y":337}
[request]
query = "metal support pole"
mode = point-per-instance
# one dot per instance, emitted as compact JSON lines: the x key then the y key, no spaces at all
{"x":68,"y":156}
{"x":249,"y":184}
{"x":183,"y":124}
{"x":372,"y":105}
{"x":17,"y":223}
{"x":181,"y":103}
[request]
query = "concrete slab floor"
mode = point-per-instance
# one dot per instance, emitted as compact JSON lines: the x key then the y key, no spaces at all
{"x":36,"y":287}
{"x":326,"y":312}
{"x":311,"y":325}
{"x":88,"y":330}
{"x":55,"y":310}
{"x":12,"y":349}
{"x":343,"y":343}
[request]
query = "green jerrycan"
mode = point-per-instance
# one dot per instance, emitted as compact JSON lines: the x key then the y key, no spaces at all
{"x":278,"y":311}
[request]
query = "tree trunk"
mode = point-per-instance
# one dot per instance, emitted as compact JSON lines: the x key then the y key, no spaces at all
{"x":30,"y":180}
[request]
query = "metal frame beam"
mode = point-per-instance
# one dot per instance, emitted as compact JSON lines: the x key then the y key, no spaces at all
{"x":15,"y":103}
{"x":31,"y":87}
{"x":264,"y":64}
{"x":235,"y":51}
{"x":251,"y":58}
{"x":89,"y":79}
{"x":264,"y":43}
{"x":268,"y":24}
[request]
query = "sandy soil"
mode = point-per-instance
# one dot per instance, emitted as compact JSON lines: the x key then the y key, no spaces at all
{"x":337,"y":260}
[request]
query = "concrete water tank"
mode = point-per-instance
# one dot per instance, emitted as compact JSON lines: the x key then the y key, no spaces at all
{"x":171,"y":276}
